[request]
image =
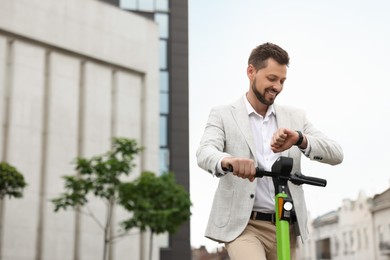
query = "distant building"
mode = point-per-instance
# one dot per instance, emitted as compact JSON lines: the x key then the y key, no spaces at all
{"x":381,"y":224}
{"x":360,"y":229}
{"x":73,"y":74}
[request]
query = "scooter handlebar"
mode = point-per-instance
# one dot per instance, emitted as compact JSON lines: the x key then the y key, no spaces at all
{"x":296,"y":178}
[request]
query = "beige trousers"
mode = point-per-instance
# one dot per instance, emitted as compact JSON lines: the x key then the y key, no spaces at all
{"x":258,"y":242}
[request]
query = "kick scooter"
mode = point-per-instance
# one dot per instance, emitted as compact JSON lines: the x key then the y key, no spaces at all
{"x":281,"y":174}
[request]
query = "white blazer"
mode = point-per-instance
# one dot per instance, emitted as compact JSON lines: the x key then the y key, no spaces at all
{"x":228,"y":132}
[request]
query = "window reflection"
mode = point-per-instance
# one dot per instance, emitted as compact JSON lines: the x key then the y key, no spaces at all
{"x":164,"y":160}
{"x":145,"y":5}
{"x":164,"y":81}
{"x":164,"y":103}
{"x":163,"y":26}
{"x":163,"y":130}
{"x":128,"y":4}
{"x":163,"y":54}
{"x":162,"y":5}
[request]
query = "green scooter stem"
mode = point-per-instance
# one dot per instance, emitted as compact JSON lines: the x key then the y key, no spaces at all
{"x":282,"y":230}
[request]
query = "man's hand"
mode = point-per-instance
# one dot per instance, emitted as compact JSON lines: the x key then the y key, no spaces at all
{"x":242,"y":167}
{"x":284,"y":138}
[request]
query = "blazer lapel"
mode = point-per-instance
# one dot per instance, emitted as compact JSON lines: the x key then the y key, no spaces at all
{"x":240,"y":115}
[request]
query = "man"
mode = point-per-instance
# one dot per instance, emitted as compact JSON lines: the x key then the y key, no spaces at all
{"x":254,"y":132}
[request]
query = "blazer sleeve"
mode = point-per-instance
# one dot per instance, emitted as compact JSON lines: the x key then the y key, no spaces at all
{"x":323,"y":148}
{"x":211,"y":148}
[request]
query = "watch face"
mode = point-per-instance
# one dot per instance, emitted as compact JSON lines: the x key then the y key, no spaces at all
{"x":288,"y":206}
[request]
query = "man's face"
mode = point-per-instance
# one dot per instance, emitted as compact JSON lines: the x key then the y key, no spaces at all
{"x":267,"y":82}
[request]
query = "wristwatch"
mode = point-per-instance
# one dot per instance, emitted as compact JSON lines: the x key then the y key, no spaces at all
{"x":300,"y":139}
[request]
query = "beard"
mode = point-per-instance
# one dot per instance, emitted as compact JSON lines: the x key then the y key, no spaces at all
{"x":260,"y":97}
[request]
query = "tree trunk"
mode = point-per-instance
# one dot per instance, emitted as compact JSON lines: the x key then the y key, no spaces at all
{"x":105,"y":246}
{"x":107,"y":228}
{"x":151,"y":245}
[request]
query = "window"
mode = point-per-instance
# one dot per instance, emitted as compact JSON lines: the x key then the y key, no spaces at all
{"x":164,"y":103}
{"x":164,"y":160}
{"x":380,"y":234}
{"x":365,"y":238}
{"x":162,"y":5}
{"x":146,"y":5}
{"x":164,"y":81}
{"x":351,"y":239}
{"x":163,"y":54}
{"x":323,"y":249}
{"x":336,"y":246}
{"x":128,"y":4}
{"x":163,"y":25}
{"x":358,"y":240}
{"x":345,"y":242}
{"x":163,"y":131}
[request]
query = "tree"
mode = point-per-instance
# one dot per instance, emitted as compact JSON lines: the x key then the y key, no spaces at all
{"x":157,"y":203}
{"x":12,"y":181}
{"x":101,"y":177}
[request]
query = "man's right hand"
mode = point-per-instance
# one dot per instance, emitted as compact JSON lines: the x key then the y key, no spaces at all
{"x":242,"y":167}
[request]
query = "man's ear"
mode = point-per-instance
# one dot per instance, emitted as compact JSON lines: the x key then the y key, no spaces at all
{"x":251,"y":72}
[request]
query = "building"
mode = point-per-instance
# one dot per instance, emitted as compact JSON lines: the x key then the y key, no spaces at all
{"x":381,"y":224}
{"x":172,"y":19}
{"x":359,"y":229}
{"x":74,"y":74}
{"x":321,"y":246}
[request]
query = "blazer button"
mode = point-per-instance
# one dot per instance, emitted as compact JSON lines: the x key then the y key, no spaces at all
{"x":252,"y":196}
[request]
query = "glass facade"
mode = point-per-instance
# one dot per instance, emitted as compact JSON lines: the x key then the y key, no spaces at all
{"x":159,"y":10}
{"x":145,"y":5}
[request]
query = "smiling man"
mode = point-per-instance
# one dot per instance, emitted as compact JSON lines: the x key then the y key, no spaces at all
{"x":255,"y":132}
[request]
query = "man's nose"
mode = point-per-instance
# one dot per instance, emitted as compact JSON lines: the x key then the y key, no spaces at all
{"x":278,"y":87}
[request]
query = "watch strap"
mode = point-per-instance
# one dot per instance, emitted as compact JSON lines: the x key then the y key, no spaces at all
{"x":300,"y":139}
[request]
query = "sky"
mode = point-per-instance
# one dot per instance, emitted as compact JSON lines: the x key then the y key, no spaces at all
{"x":338,"y":74}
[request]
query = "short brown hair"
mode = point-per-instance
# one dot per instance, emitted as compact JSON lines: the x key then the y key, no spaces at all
{"x":262,"y":53}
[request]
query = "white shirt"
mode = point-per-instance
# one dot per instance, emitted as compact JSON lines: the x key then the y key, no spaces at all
{"x":263,"y":129}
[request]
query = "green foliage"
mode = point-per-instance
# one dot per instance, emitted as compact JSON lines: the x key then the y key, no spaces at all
{"x":99,"y":175}
{"x":12,"y":181}
{"x":156,"y":202}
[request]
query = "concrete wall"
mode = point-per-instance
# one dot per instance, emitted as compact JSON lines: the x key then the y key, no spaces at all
{"x":73,"y":74}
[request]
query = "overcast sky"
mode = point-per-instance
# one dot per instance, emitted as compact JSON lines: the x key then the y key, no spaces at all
{"x":338,"y":73}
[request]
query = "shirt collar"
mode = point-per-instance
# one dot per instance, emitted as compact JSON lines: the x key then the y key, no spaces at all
{"x":251,"y":110}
